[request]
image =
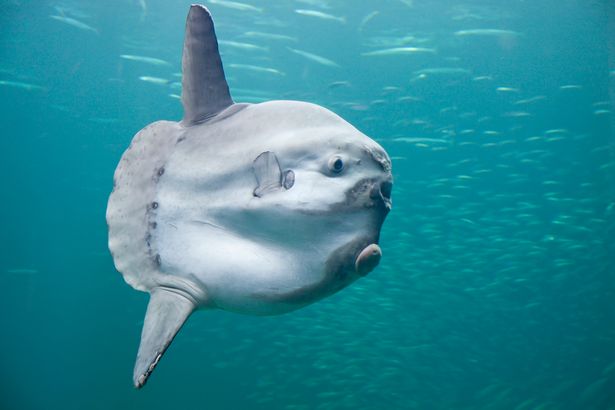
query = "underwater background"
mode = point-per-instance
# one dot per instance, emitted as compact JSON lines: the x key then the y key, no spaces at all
{"x":497,"y":284}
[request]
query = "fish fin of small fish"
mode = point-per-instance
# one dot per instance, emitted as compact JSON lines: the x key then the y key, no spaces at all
{"x":205,"y":91}
{"x":166,"y":313}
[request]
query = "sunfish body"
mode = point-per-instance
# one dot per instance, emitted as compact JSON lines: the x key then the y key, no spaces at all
{"x":257,"y":209}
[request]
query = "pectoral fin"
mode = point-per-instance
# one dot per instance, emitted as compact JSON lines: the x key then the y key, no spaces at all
{"x":166,"y":313}
{"x":268,"y":173}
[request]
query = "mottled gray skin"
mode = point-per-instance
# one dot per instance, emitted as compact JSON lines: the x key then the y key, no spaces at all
{"x":258,"y":209}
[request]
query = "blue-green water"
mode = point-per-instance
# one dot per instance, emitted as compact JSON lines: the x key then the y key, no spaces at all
{"x":497,"y":285}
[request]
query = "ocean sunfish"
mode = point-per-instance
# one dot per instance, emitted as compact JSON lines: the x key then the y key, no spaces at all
{"x":253,"y":208}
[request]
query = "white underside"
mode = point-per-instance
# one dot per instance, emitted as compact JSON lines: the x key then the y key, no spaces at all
{"x":238,"y":274}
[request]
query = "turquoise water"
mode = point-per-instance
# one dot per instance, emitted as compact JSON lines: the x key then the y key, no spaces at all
{"x":497,"y":283}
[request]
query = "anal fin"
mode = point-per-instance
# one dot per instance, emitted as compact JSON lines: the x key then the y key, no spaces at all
{"x":166,"y":313}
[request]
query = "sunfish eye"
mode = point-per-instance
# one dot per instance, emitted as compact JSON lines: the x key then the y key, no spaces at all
{"x":336,"y":164}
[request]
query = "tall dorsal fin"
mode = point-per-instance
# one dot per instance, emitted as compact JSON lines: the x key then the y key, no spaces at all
{"x":204,"y":89}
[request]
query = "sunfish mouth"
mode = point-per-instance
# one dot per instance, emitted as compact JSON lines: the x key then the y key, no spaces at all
{"x":368,"y":259}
